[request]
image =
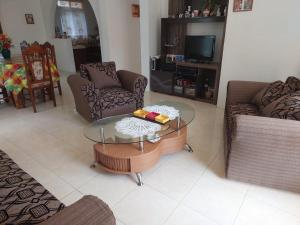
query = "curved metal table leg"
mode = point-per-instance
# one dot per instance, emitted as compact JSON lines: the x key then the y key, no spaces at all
{"x":189,"y":148}
{"x":93,"y":166}
{"x":139,"y":177}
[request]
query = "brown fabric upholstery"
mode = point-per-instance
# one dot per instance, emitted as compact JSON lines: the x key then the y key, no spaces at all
{"x":269,"y":94}
{"x":89,"y":210}
{"x":95,"y":103}
{"x":104,"y":75}
{"x":288,"y":107}
{"x":22,"y":199}
{"x":259,"y":150}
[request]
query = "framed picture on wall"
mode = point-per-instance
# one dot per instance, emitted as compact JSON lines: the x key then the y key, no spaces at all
{"x":242,"y":5}
{"x":29,"y":18}
{"x":135,"y":8}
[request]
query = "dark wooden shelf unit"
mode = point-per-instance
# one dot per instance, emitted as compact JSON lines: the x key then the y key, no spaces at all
{"x":173,"y":33}
{"x":209,"y":19}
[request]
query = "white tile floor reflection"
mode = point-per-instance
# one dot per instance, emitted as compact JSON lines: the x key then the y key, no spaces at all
{"x":183,"y":189}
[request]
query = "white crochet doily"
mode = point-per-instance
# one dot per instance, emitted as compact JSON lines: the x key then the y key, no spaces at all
{"x":169,"y":111}
{"x":135,"y":127}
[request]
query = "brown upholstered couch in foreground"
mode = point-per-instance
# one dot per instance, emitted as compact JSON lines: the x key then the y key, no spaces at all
{"x":24,"y":201}
{"x":259,"y":149}
{"x":100,"y":91}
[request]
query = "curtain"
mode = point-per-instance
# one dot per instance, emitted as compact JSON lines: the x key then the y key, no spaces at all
{"x":73,"y":22}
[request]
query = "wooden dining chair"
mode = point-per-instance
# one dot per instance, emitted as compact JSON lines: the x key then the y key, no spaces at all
{"x":37,"y":72}
{"x":50,"y":50}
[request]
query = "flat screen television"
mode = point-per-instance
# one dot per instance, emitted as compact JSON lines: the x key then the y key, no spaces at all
{"x":199,"y":48}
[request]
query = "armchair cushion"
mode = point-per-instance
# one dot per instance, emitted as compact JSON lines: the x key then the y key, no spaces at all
{"x":104,"y":75}
{"x":106,"y":68}
{"x":113,"y":97}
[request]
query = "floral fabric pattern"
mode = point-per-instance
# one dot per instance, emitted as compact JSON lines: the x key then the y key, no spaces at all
{"x":288,"y":107}
{"x":13,"y":77}
{"x":23,"y":200}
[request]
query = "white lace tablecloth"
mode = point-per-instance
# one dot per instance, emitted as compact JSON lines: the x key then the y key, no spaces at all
{"x":135,"y":127}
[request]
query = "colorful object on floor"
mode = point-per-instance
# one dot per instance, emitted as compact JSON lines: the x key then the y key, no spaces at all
{"x":13,"y":77}
{"x":151,"y":116}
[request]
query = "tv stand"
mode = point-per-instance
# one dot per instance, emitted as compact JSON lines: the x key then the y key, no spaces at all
{"x":198,"y":81}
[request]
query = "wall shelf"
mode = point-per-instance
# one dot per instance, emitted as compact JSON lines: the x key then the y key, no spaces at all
{"x":195,"y":19}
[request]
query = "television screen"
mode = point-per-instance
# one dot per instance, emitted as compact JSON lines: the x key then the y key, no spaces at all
{"x":200,"y":48}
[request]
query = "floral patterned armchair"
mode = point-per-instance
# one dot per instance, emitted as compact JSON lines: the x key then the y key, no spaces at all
{"x":94,"y":103}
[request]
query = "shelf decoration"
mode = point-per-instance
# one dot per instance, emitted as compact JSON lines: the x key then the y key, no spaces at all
{"x":242,"y":5}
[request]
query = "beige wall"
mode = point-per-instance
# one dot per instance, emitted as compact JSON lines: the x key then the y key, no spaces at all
{"x":261,"y":45}
{"x":119,"y":31}
{"x":12,"y":17}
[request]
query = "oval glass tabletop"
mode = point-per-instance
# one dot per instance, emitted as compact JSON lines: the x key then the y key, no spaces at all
{"x":126,"y":129}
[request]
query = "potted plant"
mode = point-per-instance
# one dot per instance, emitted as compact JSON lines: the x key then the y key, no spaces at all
{"x":5,"y":45}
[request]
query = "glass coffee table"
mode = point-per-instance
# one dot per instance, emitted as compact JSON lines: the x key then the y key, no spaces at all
{"x":126,"y":144}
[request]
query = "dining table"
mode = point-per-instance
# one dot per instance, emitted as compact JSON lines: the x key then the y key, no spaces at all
{"x":13,"y":78}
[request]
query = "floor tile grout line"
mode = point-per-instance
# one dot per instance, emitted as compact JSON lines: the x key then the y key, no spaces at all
{"x":240,"y":208}
{"x":180,"y":202}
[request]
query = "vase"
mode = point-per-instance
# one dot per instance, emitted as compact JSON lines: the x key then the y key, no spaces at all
{"x":6,"y":53}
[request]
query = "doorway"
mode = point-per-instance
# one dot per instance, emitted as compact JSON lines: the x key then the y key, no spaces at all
{"x":75,"y":19}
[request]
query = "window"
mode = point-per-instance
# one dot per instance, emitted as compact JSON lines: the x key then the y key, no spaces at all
{"x":63,"y":4}
{"x":69,"y":4}
{"x":76,"y":5}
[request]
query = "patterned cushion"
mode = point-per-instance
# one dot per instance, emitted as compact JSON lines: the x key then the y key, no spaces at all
{"x":269,"y":94}
{"x":108,"y":68}
{"x":116,"y":97}
{"x":103,"y":77}
{"x":292,"y":84}
{"x":287,"y":108}
{"x":105,"y":99}
{"x":22,"y":199}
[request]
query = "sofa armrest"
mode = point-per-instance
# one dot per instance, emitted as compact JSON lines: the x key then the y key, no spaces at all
{"x":278,"y":135}
{"x":88,"y":211}
{"x":242,"y":91}
{"x":266,"y":151}
{"x":135,"y":83}
{"x":85,"y":96}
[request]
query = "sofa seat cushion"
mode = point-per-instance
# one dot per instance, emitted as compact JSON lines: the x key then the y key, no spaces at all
{"x":116,"y":97}
{"x":22,"y":199}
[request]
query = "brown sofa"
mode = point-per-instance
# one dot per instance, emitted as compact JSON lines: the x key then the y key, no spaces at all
{"x":94,"y":103}
{"x":259,"y":150}
{"x":24,"y":201}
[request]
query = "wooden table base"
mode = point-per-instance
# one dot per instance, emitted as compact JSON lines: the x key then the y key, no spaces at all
{"x":128,"y":158}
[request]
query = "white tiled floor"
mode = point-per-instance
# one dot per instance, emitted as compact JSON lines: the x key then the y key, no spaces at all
{"x":182,"y":189}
